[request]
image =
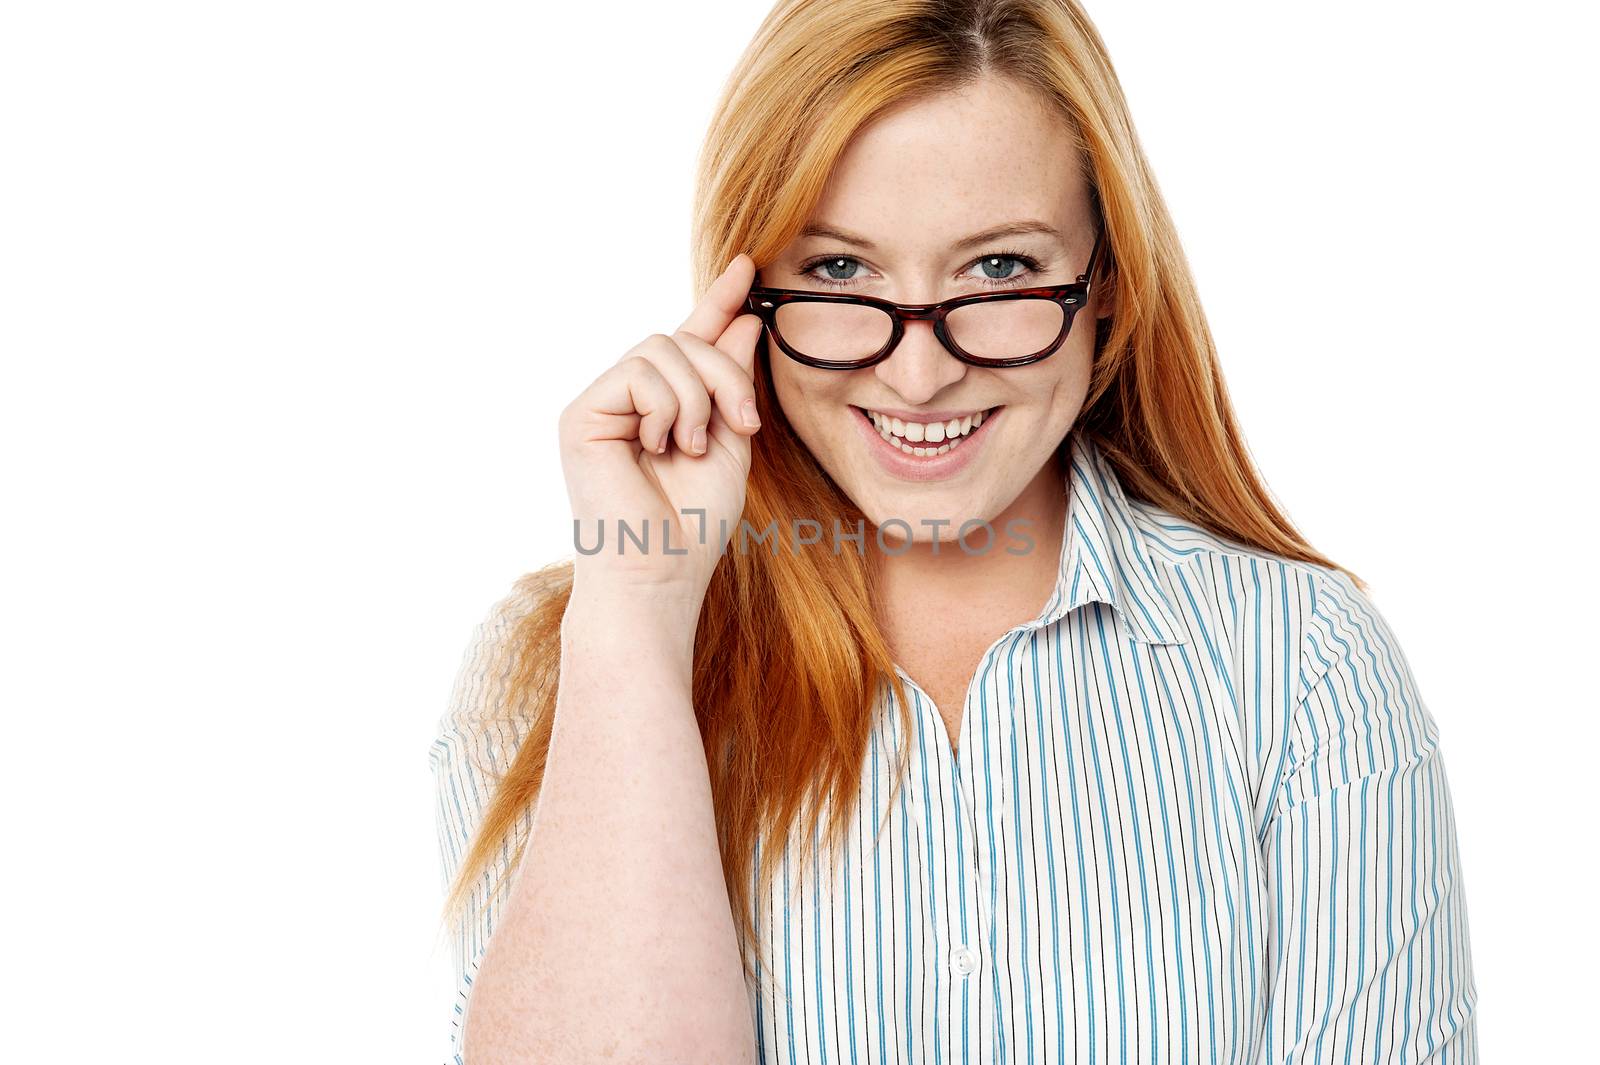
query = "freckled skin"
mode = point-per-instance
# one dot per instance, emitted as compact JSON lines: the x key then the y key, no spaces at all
{"x":913,"y":183}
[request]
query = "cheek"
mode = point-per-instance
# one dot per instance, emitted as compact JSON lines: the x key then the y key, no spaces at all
{"x":1059,"y":382}
{"x":791,"y":398}
{"x":809,"y":397}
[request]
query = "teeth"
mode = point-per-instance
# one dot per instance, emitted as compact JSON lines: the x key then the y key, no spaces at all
{"x":904,"y":435}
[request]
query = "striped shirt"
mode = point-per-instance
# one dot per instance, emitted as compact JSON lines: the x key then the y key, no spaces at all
{"x":1198,"y":814}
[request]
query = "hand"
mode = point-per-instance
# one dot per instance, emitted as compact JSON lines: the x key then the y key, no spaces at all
{"x":664,"y":431}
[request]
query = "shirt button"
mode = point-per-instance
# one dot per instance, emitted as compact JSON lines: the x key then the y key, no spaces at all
{"x":963,"y":961}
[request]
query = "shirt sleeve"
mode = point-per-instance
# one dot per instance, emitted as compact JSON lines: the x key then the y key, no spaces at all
{"x":470,"y":752}
{"x":1368,"y":936}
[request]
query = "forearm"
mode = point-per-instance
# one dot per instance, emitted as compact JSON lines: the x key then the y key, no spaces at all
{"x":616,"y":940}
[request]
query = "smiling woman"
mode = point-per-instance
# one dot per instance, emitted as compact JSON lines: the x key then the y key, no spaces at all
{"x":1152,"y":783}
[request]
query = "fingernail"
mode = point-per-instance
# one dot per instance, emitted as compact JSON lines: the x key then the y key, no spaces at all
{"x":697,"y":441}
{"x":661,"y":448}
{"x":751,"y":419}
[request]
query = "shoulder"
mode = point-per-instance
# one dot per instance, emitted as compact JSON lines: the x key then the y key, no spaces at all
{"x":1316,"y":614}
{"x":490,"y":647}
{"x":1314,"y":663}
{"x":1239,"y":584}
{"x":1182,"y":542}
{"x":493,"y":638}
{"x":476,"y":712}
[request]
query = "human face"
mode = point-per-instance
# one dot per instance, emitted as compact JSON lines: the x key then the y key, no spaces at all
{"x":906,"y":193}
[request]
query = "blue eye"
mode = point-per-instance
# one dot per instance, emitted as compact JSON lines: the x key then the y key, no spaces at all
{"x":1000,"y":269}
{"x":996,"y":262}
{"x":840,"y":262}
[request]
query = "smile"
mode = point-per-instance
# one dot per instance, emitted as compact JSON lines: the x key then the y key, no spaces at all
{"x":926,"y":439}
{"x":924,"y":451}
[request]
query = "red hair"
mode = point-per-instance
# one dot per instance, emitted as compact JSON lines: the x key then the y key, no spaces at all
{"x":789,"y":660}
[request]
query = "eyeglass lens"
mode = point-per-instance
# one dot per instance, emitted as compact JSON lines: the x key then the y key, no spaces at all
{"x":997,"y":329}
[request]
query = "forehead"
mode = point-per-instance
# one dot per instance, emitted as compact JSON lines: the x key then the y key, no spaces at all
{"x":934,"y":170}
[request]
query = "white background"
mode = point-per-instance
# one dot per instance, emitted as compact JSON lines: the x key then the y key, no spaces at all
{"x":291,"y":295}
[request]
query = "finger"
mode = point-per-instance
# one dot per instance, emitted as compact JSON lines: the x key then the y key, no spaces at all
{"x":723,"y":435}
{"x":723,"y":301}
{"x":694,"y":401}
{"x":656,"y":401}
{"x":631,"y":400}
{"x":728,"y":383}
{"x":600,"y":426}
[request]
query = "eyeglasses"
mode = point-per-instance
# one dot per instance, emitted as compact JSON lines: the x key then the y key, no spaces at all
{"x":837,"y":331}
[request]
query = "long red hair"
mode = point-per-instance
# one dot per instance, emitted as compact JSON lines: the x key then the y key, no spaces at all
{"x":789,"y":657}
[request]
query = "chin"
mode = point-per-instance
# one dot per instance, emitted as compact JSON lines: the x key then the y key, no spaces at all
{"x":941,"y":512}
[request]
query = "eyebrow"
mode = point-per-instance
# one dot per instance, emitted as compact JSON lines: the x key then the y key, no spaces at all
{"x":1018,"y":228}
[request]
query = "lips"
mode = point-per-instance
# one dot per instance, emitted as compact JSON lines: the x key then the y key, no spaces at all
{"x":892,"y":458}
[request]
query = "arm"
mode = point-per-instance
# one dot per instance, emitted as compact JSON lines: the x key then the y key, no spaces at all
{"x":616,"y":941}
{"x":1368,"y":943}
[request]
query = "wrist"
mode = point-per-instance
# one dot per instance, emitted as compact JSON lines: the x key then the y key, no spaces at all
{"x":632,"y":627}
{"x":669,"y":600}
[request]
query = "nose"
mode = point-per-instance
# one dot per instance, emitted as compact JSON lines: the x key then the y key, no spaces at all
{"x":919,"y":367}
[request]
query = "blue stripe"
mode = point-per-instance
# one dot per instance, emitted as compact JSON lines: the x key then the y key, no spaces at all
{"x":1016,"y":839}
{"x":932,"y":857}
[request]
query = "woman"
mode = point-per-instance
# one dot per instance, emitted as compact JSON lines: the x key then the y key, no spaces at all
{"x":1071,"y":750}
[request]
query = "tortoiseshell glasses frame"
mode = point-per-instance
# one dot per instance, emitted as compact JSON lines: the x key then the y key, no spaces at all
{"x":765,"y":302}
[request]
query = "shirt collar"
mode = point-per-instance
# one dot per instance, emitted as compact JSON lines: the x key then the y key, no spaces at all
{"x":1103,"y":554}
